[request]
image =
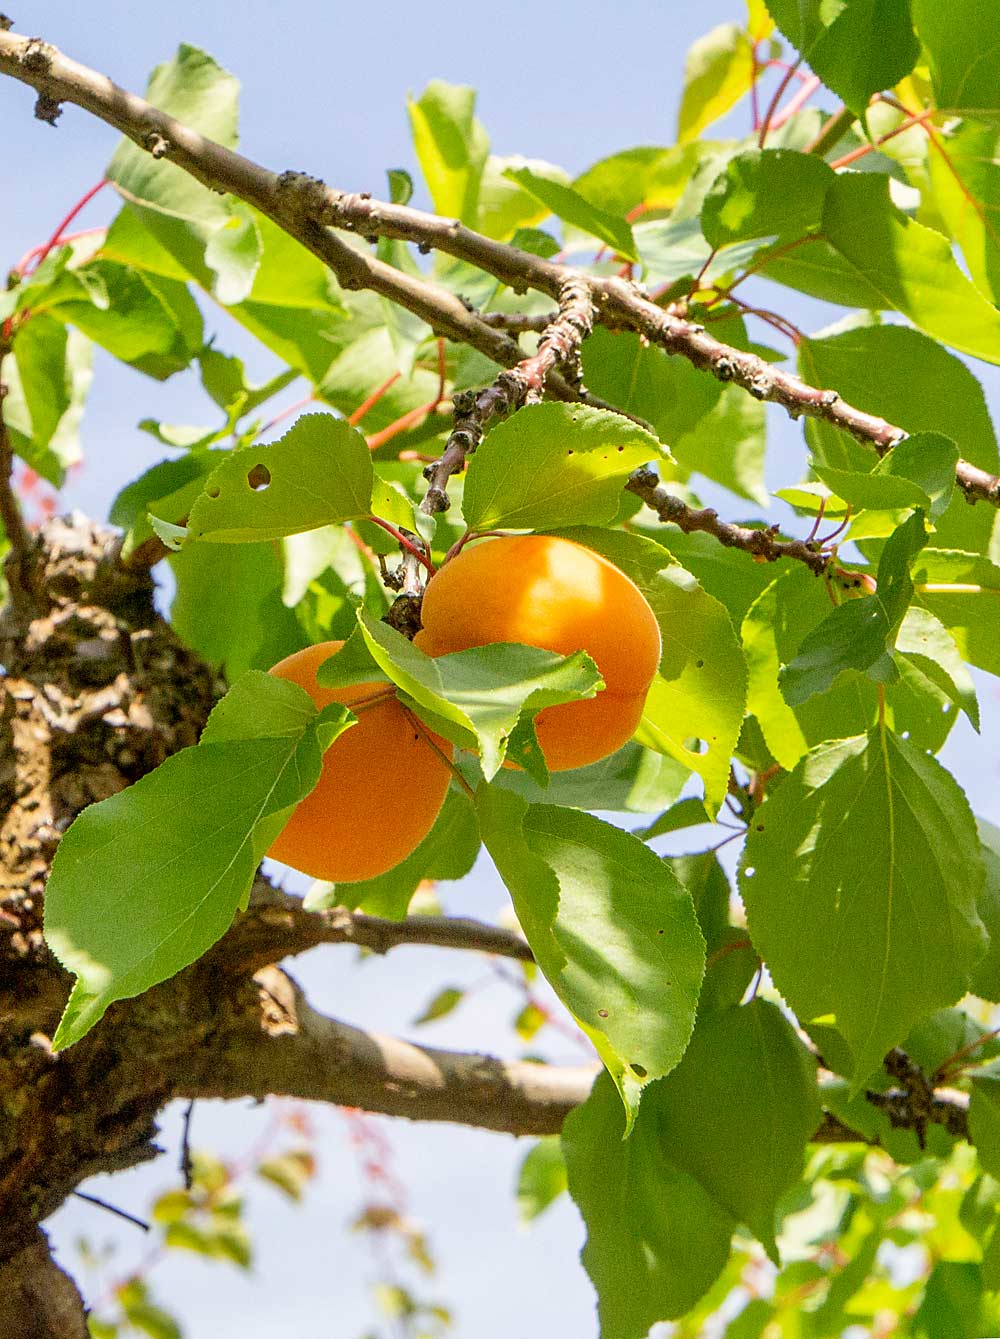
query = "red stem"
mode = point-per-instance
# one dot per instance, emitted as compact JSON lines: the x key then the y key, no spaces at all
{"x":373,"y":399}
{"x":56,"y":237}
{"x":779,"y":93}
{"x":401,"y":539}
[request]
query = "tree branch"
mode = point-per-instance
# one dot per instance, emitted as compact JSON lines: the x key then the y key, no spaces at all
{"x":559,"y":347}
{"x":276,"y":1042}
{"x":762,"y":543}
{"x":277,"y":926}
{"x":305,"y":207}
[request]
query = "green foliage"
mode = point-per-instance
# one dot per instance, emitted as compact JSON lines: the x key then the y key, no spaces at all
{"x":802,"y":711}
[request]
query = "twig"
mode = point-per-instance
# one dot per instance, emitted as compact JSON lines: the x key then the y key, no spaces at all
{"x":520,"y":323}
{"x":306,"y":208}
{"x":558,"y":348}
{"x":113,"y":1208}
{"x":763,"y":544}
{"x":186,"y":1164}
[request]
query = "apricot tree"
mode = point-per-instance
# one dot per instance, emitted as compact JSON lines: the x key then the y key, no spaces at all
{"x":797,"y":1071}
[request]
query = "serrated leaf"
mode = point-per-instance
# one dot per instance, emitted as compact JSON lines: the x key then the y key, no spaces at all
{"x":320,"y":472}
{"x":908,"y":379}
{"x":766,"y":193}
{"x":482,"y":691}
{"x":746,"y":1085}
{"x":507,"y":209}
{"x":918,"y":472}
{"x":963,"y":592}
{"x":655,"y":1239}
{"x":612,"y":929}
{"x":930,"y":645}
{"x":718,"y":71}
{"x":860,"y":879}
{"x":859,"y":634}
{"x":175,"y":853}
{"x":554,"y":464}
{"x":986,"y":976}
{"x":776,"y":626}
{"x":960,"y":41}
{"x":910,"y":266}
{"x":700,"y":690}
{"x":576,"y":210}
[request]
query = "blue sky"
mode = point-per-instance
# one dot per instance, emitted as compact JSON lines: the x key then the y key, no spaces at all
{"x":324,"y":89}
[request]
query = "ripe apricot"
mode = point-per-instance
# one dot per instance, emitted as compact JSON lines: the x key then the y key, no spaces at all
{"x":550,"y":592}
{"x":382,"y":786}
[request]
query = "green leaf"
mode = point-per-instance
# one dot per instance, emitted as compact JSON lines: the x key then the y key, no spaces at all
{"x":651,"y":176}
{"x":860,"y":879}
{"x":181,"y":213}
{"x":576,"y":210}
{"x":766,"y":193}
{"x":554,"y":464}
{"x":929,"y":645}
{"x":963,"y":592}
{"x":738,"y":1112}
{"x":542,"y":1178}
{"x":505,"y":208}
{"x":906,"y":476}
{"x":47,"y":380}
{"x":859,"y":634}
{"x":774,"y":629}
{"x":482,"y":691}
{"x":233,"y":254}
{"x":656,"y":1241}
{"x":227,"y":604}
{"x":911,"y":267}
{"x":169,"y":488}
{"x":986,"y":977}
{"x":149,"y":322}
{"x":700,"y":690}
{"x":952,"y":1301}
{"x":965,"y":181}
{"x":174,"y":855}
{"x":451,"y":146}
{"x":908,"y":379}
{"x":612,"y":929}
{"x":869,"y":46}
{"x":440,"y":1005}
{"x":318,"y":473}
{"x":447,"y":852}
{"x":633,"y":780}
{"x":718,"y":71}
{"x":291,"y":1172}
{"x":960,"y":41}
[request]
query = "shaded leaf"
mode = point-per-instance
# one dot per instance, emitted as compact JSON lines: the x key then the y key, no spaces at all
{"x":860,"y":878}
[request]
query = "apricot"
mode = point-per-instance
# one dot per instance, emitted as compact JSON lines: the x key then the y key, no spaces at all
{"x":550,"y":592}
{"x":382,"y":786}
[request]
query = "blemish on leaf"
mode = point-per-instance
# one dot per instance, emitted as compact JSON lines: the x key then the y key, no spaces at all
{"x":639,"y":1071}
{"x":259,"y":478}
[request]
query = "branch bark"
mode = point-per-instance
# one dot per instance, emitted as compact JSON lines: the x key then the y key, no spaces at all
{"x":277,"y":926}
{"x":275,"y":1042}
{"x":307,"y":208}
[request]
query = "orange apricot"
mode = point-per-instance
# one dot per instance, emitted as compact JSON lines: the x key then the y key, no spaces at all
{"x":382,"y":786}
{"x":544,"y":591}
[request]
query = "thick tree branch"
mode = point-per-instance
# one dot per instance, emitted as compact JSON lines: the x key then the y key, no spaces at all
{"x":38,"y":1300}
{"x":305,"y":207}
{"x":277,"y":1043}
